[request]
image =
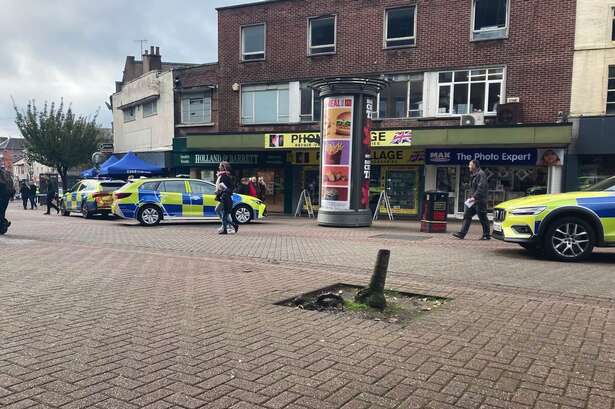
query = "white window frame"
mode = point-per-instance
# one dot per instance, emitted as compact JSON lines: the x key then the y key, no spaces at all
{"x":263,"y":88}
{"x":386,"y":29}
{"x":612,"y":24}
{"x":133,"y":117}
{"x":243,"y":53}
{"x":185,"y":116}
{"x":308,"y":117}
{"x":489,"y":33}
{"x":309,"y":36}
{"x":486,"y":82}
{"x":154,"y":103}
{"x":409,"y":81}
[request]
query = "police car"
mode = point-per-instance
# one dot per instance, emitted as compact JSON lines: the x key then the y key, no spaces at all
{"x":89,"y":197}
{"x":152,"y":200}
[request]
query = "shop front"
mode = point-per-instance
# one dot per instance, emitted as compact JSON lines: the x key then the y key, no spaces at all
{"x":395,"y":167}
{"x":511,"y":173}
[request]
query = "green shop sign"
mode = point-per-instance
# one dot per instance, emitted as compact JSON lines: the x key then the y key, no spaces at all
{"x":234,"y":158}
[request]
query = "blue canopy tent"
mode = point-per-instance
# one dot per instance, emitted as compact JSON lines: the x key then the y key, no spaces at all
{"x":131,"y":164}
{"x":92,"y":172}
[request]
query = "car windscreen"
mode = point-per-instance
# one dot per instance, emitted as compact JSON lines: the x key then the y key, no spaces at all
{"x":109,"y":187}
{"x":607,"y":185}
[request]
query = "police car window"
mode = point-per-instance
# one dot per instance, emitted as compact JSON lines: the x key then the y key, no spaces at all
{"x":87,"y":186}
{"x":111,"y":186}
{"x":75,"y":187}
{"x":173,"y":186}
{"x":149,"y":186}
{"x":202,"y":188}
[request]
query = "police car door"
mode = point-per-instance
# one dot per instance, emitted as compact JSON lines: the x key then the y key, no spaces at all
{"x":202,"y":196}
{"x":172,"y":197}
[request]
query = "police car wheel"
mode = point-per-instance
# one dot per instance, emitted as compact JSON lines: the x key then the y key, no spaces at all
{"x":84,"y":211}
{"x":242,"y":214}
{"x":569,"y":239}
{"x":149,"y":215}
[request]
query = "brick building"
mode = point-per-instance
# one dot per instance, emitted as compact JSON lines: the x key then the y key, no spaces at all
{"x":448,"y":63}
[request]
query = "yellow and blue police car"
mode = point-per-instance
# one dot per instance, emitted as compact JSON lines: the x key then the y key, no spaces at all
{"x":89,"y":197}
{"x":152,"y":200}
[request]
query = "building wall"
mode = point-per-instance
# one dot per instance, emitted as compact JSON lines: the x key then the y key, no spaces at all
{"x":200,"y":77}
{"x":152,"y":133}
{"x":537,"y":53}
{"x":594,"y":52}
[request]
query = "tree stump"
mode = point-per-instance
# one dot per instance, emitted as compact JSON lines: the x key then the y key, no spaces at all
{"x":374,"y":294}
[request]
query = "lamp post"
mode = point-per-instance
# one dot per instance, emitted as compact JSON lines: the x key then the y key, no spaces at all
{"x":345,"y":153}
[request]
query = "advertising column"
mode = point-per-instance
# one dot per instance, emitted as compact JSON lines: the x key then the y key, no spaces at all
{"x":345,"y":168}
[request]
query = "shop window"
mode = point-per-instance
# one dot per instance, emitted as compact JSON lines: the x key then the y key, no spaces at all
{"x":129,"y":114}
{"x":468,"y":91}
{"x":150,"y":108}
{"x":610,"y":96}
{"x":490,"y":19}
{"x":400,"y":27}
{"x":265,"y":104}
{"x":253,"y":42}
{"x":310,"y":104}
{"x":196,"y":108}
{"x":322,"y":35}
{"x":403,"y":98}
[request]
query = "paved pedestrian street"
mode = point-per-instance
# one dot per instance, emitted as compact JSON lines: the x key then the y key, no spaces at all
{"x":104,"y":313}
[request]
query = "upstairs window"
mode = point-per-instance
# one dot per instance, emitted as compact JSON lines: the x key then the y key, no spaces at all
{"x":403,"y":98}
{"x":129,"y":114}
{"x":468,"y":91}
{"x":400,"y":27}
{"x":310,"y":104}
{"x":613,"y":24}
{"x":490,"y":19}
{"x":265,"y":104}
{"x":150,"y":108}
{"x":253,"y":42}
{"x":196,"y":108}
{"x":322,"y":35}
{"x":610,"y":96}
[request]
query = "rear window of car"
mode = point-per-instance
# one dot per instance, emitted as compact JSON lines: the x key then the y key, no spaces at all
{"x":173,"y":186}
{"x":109,"y":187}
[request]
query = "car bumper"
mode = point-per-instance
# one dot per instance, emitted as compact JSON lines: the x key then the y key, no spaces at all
{"x":516,"y":229}
{"x":527,"y":240}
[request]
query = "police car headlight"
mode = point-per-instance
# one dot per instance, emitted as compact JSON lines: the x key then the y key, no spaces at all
{"x":528,"y":211}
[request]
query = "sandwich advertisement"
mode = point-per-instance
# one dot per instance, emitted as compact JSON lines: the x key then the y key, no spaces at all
{"x":336,"y":152}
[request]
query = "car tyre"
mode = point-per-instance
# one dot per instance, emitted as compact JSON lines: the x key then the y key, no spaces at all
{"x":84,"y":211}
{"x":149,"y":215}
{"x":242,"y":214}
{"x":569,"y":239}
{"x":63,"y":210}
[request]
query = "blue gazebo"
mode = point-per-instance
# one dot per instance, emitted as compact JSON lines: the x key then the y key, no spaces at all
{"x":129,"y":165}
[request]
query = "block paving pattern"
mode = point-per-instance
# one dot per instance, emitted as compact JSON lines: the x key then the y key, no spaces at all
{"x":129,"y":327}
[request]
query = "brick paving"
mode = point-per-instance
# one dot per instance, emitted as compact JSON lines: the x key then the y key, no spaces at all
{"x":101,"y":314}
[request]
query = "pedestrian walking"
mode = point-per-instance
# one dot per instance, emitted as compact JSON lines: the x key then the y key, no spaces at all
{"x":261,"y":188}
{"x":33,"y":195}
{"x":24,"y":191}
{"x":7,"y":190}
{"x":252,"y":187}
{"x":224,"y":195}
{"x":476,"y":204}
{"x":52,"y":194}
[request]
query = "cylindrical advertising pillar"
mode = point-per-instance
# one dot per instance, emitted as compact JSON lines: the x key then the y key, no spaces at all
{"x":345,"y":154}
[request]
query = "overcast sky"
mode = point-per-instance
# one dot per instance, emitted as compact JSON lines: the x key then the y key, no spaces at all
{"x":76,"y":49}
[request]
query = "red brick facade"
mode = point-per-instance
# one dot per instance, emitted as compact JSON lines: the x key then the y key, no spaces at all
{"x":537,"y":53}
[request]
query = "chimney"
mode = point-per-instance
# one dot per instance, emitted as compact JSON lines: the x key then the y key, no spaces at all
{"x":152,"y":60}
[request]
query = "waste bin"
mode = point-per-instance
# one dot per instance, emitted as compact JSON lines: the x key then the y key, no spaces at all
{"x":435,"y":211}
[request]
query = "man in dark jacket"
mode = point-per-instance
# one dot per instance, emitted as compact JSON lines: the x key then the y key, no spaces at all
{"x":7,"y":190}
{"x":24,"y":191}
{"x":52,"y":194}
{"x":477,"y":202}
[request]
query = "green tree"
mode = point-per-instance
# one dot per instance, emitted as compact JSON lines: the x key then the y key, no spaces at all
{"x":57,"y":138}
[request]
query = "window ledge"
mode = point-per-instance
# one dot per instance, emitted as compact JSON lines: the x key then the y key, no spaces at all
{"x":398,"y":47}
{"x":255,"y":60}
{"x":277,"y":123}
{"x":185,"y":125}
{"x":319,"y":54}
{"x":150,"y":115}
{"x":490,"y":35}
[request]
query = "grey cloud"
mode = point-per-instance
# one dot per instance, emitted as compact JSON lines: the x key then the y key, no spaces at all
{"x":76,"y":48}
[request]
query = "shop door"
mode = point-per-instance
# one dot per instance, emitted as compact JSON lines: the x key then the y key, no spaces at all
{"x":311,"y":179}
{"x":402,"y":189}
{"x":446,"y":181}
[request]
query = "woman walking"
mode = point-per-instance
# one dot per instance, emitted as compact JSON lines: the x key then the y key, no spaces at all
{"x":224,"y":195}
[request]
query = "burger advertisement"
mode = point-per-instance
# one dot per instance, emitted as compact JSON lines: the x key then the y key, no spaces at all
{"x":336,"y":152}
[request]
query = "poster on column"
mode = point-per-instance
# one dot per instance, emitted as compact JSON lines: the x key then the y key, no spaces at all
{"x":337,"y":152}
